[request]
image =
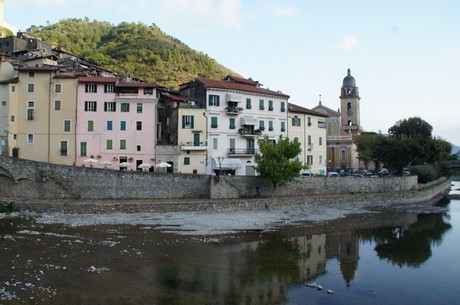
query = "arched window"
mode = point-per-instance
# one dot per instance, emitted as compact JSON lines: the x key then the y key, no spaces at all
{"x":349,"y":106}
{"x":343,"y":155}
{"x":349,"y":123}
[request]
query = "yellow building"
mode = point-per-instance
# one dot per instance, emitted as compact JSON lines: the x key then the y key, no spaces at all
{"x":309,"y":129}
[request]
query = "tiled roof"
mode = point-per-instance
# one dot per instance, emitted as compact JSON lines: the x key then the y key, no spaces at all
{"x":98,"y":79}
{"x":37,"y":69}
{"x":300,"y":109}
{"x":175,"y":97}
{"x":222,"y":84}
{"x":137,"y":85}
{"x":242,"y":80}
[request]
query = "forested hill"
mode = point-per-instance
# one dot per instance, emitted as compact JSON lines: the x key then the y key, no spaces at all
{"x":142,"y":51}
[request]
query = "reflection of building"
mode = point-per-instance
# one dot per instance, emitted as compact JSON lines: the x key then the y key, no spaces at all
{"x":344,"y":246}
{"x":342,"y":127}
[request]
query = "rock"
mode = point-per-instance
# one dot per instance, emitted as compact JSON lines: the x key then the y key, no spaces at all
{"x":329,"y":291}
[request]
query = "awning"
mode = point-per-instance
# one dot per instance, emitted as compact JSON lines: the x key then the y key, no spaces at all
{"x":227,"y":164}
{"x":248,"y":120}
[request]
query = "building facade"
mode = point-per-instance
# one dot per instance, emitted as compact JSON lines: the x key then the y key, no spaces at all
{"x":238,"y":112}
{"x":309,"y":129}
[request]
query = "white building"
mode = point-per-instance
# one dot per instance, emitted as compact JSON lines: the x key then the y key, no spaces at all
{"x":238,"y":112}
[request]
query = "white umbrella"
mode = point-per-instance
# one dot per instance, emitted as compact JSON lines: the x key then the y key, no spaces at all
{"x":90,"y":161}
{"x":106,"y":163}
{"x":163,"y":165}
{"x":124,"y":164}
{"x":145,"y":166}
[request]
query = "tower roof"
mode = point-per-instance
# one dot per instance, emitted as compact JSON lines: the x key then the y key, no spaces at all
{"x":349,"y":81}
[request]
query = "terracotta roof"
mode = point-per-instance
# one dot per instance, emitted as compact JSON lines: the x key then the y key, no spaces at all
{"x":222,"y":84}
{"x":37,"y":69}
{"x":175,"y":97}
{"x":98,"y":79}
{"x":300,"y":109}
{"x":241,"y":80}
{"x":137,"y":85}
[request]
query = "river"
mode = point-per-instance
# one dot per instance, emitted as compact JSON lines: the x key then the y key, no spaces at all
{"x":391,"y":257}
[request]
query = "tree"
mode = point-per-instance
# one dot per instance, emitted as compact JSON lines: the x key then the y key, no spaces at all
{"x":411,"y":127}
{"x":367,"y":145}
{"x":276,"y":162}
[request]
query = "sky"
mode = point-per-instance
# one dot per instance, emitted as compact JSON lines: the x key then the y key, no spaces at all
{"x":404,"y":54}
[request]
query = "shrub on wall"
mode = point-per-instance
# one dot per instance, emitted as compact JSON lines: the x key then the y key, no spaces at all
{"x":426,"y":173}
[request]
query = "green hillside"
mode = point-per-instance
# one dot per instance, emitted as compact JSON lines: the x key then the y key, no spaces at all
{"x":142,"y":51}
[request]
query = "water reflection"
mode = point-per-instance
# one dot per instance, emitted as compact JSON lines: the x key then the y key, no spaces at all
{"x":143,"y":266}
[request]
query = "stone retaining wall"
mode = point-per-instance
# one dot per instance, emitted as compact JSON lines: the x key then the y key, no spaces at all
{"x":35,"y":180}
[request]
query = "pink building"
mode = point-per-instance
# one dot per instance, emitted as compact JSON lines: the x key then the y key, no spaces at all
{"x":115,"y":123}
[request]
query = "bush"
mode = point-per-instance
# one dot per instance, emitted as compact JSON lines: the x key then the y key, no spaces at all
{"x":425,"y":173}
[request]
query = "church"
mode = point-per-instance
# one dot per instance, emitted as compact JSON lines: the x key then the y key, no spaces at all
{"x":343,"y":126}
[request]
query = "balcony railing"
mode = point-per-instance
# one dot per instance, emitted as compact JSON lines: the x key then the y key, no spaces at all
{"x":249,"y":132}
{"x":234,"y":110}
{"x":241,"y":151}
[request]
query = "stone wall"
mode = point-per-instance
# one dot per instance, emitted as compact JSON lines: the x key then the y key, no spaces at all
{"x":27,"y":179}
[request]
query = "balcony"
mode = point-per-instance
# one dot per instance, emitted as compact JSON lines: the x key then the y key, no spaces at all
{"x":249,"y":132}
{"x":241,"y":152}
{"x":310,"y":146}
{"x":193,"y":146}
{"x":234,"y":110}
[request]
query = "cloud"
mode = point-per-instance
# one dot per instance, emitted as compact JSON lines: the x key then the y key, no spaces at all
{"x":348,"y":42}
{"x":284,"y":11}
{"x":201,"y":14}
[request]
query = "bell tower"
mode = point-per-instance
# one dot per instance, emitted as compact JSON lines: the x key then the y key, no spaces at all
{"x":349,"y":105}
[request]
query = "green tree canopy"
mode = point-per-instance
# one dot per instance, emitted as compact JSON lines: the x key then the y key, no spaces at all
{"x":412,"y":127}
{"x":142,"y":51}
{"x":276,"y":162}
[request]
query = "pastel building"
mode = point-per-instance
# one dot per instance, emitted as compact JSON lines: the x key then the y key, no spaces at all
{"x":116,"y":123}
{"x":309,"y":129}
{"x":238,"y":112}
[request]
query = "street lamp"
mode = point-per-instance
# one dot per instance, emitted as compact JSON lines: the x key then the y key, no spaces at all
{"x":220,"y":159}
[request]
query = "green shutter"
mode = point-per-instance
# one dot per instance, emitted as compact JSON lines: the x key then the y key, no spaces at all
{"x":217,"y":100}
{"x":192,"y":121}
{"x":183,"y":121}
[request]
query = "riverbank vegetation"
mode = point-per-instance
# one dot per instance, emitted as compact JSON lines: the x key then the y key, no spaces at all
{"x":408,"y":144}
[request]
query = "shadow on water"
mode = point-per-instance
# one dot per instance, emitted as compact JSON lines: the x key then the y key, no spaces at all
{"x":54,"y":264}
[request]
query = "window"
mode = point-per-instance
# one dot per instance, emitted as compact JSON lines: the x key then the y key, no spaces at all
{"x":12,"y":118}
{"x":66,"y":125}
{"x":63,"y":148}
{"x":187,"y":122}
{"x":31,"y":74}
{"x":30,"y":110}
{"x":320,"y":140}
{"x":3,"y":103}
{"x":270,"y":125}
{"x":90,"y":106}
{"x":248,"y":103}
{"x":296,"y":140}
{"x":214,"y":122}
{"x":232,"y":144}
{"x":122,"y":125}
{"x":309,"y":121}
{"x":214,"y":100}
{"x":261,"y":105}
{"x":148,"y":91}
{"x":309,"y":159}
{"x":343,"y":155}
{"x":283,"y":106}
{"x":109,"y":144}
{"x":124,"y":107}
{"x":262,"y":125}
{"x":232,"y":124}
{"x":214,"y":144}
{"x":13,"y":88}
{"x":309,"y":140}
{"x":57,"y":88}
{"x":30,"y":138}
{"x":283,"y":126}
{"x":138,"y":148}
{"x":83,"y":149}
{"x":138,"y":125}
{"x":110,"y":106}
{"x":295,"y":121}
{"x":320,"y":159}
{"x":186,"y":160}
{"x":123,"y":144}
{"x":109,"y":125}
{"x":30,"y":88}
{"x":270,"y":105}
{"x":91,"y":88}
{"x":90,"y":125}
{"x":139,"y":107}
{"x":109,"y":88}
{"x":57,"y":105}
